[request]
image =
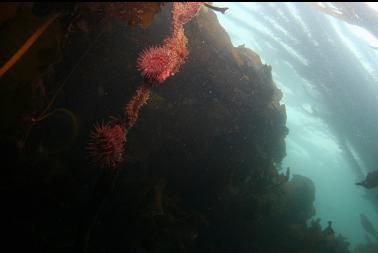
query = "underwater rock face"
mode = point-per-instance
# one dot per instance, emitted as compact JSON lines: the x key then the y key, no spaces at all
{"x":213,"y":97}
{"x":210,"y":126}
{"x":199,"y":162}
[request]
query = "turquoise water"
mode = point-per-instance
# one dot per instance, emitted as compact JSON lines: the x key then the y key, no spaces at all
{"x":312,"y":145}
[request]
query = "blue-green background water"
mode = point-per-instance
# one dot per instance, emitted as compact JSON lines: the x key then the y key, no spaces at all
{"x":313,"y":146}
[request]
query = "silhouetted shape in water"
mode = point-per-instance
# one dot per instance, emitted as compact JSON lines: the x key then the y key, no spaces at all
{"x":328,"y":231}
{"x":220,"y":9}
{"x":371,"y":180}
{"x":366,"y":224}
{"x":329,"y":238}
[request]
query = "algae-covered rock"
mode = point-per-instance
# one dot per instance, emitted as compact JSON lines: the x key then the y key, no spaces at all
{"x":300,"y":192}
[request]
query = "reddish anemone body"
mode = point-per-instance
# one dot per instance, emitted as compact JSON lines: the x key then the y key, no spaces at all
{"x":158,"y":63}
{"x":106,"y":147}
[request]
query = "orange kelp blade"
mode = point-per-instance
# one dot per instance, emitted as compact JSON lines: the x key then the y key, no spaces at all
{"x":28,"y":43}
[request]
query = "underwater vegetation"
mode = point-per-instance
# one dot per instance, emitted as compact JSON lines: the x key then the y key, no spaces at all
{"x":359,"y":14}
{"x":197,"y":170}
{"x":342,"y":114}
{"x":371,"y":245}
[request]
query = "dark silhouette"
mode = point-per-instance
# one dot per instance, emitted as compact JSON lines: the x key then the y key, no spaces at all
{"x":371,"y":180}
{"x":328,"y":231}
{"x":368,"y":226}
